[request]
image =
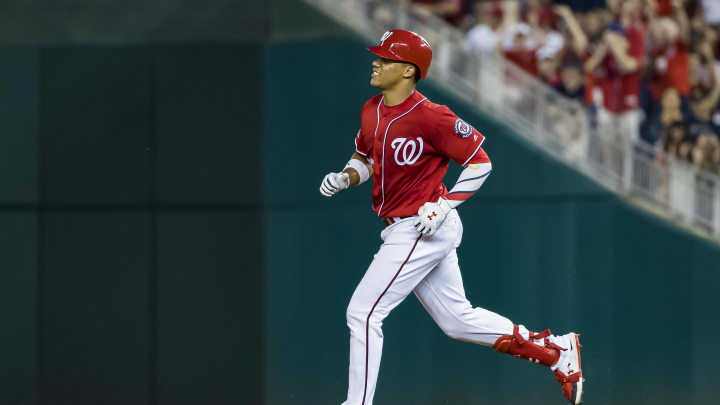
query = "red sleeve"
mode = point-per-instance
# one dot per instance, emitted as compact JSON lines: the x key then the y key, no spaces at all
{"x":360,"y":145}
{"x":636,"y":45}
{"x":368,"y":118}
{"x":480,"y":157}
{"x":454,"y":138}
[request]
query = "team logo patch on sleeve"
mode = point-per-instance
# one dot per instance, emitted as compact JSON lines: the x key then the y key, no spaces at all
{"x":462,"y":128}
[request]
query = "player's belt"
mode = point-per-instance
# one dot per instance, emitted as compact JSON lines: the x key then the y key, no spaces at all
{"x":391,"y":220}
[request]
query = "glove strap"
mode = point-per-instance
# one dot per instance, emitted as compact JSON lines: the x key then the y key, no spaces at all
{"x":447,"y":205}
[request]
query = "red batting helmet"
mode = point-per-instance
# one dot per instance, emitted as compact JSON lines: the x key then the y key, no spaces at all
{"x":405,"y":46}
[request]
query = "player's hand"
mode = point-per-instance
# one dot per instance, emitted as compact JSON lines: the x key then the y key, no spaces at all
{"x":431,"y":215}
{"x":333,"y":183}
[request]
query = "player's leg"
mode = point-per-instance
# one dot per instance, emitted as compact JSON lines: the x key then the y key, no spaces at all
{"x":442,"y":294}
{"x":402,"y":261}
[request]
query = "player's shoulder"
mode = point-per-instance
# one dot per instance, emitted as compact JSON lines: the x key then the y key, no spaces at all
{"x":437,"y":111}
{"x":446,"y":121}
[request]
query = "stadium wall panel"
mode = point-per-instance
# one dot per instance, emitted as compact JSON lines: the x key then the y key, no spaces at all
{"x":130,"y":267}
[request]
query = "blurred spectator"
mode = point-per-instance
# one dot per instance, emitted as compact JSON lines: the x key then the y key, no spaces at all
{"x":586,"y":43}
{"x":548,"y":71}
{"x":705,"y":93}
{"x":578,"y":39}
{"x":440,"y":8}
{"x":676,"y":141}
{"x":670,"y":108}
{"x":648,"y":67}
{"x":540,"y":14}
{"x":616,"y":65}
{"x":663,"y":8}
{"x":520,"y":47}
{"x":706,"y":153}
{"x":583,"y":5}
{"x":572,"y":81}
{"x":669,"y":54}
{"x":668,"y":66}
{"x":485,"y":35}
{"x":451,"y":11}
{"x":712,"y":11}
{"x":700,"y":33}
{"x":700,"y":68}
{"x":534,"y":38}
{"x":543,"y":20}
{"x":613,"y":6}
{"x":552,"y":43}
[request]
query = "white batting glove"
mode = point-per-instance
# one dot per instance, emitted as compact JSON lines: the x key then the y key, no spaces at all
{"x":431,"y":215}
{"x":333,"y":183}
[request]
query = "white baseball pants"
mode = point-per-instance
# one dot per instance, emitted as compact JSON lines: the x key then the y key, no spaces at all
{"x":429,"y":267}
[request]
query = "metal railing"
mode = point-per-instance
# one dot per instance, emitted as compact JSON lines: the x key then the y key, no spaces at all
{"x":559,"y":125}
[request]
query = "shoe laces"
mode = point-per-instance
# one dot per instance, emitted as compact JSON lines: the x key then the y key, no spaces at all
{"x":537,"y":336}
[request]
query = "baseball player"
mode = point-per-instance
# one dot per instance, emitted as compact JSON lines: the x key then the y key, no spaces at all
{"x":405,"y":143}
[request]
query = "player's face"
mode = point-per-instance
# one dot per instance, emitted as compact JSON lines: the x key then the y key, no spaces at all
{"x":387,"y":73}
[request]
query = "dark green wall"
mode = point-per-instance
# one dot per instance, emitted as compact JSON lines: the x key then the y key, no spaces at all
{"x":130,"y":226}
{"x":543,"y":245}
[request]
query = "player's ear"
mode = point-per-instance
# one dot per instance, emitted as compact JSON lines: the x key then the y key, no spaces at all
{"x":409,"y":71}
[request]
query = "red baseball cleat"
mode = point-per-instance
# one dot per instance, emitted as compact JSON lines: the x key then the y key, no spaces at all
{"x":560,"y":353}
{"x":568,"y":370}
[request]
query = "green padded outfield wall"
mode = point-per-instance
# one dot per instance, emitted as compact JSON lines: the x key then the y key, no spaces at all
{"x":130,"y":226}
{"x":542,"y":245}
{"x":130,"y":198}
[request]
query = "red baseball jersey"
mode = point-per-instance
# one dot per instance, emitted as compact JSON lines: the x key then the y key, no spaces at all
{"x":621,"y":91}
{"x":410,"y":146}
{"x":672,"y":64}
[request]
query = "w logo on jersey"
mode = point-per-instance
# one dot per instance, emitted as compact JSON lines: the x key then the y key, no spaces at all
{"x":405,"y":150}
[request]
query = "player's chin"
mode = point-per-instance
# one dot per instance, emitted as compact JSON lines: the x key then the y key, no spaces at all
{"x":375,"y":82}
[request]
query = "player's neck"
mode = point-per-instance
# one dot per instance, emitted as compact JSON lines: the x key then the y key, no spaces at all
{"x":398,"y":94}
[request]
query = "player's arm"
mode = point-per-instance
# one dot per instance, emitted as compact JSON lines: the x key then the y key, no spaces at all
{"x":579,"y":39}
{"x":596,"y":58}
{"x":682,"y":20}
{"x":470,"y":181}
{"x":619,"y":46}
{"x":457,"y":140}
{"x":356,"y":171}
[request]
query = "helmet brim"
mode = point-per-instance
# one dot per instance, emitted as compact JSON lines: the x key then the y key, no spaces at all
{"x":384,"y":53}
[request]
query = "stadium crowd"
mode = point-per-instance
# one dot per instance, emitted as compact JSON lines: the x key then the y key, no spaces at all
{"x":644,"y":69}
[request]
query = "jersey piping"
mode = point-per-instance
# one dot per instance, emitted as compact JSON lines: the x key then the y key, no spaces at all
{"x":377,"y":112}
{"x":474,"y":153}
{"x":356,"y":145}
{"x":367,"y":320}
{"x":382,"y":180}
